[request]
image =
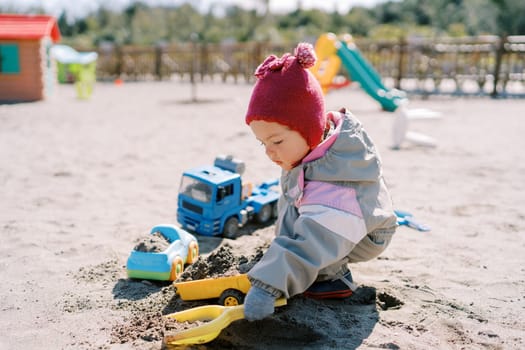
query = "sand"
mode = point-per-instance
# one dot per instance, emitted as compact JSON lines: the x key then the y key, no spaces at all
{"x":82,"y":182}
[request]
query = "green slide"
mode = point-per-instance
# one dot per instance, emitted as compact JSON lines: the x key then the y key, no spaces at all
{"x":363,"y":73}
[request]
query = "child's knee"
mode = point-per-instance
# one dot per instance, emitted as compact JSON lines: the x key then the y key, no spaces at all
{"x":373,"y":245}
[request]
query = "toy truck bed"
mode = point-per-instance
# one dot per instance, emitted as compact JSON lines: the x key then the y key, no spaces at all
{"x":168,"y":264}
{"x":262,"y":195}
{"x":230,"y":290}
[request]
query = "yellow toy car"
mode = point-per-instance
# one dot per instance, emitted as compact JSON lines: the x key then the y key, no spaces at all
{"x":229,"y":290}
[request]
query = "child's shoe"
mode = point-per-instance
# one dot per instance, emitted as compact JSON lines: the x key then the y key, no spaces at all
{"x":338,"y":288}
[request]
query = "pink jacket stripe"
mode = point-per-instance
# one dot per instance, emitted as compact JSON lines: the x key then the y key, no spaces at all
{"x":330,"y":195}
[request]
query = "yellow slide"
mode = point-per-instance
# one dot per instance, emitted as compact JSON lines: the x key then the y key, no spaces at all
{"x":328,"y":63}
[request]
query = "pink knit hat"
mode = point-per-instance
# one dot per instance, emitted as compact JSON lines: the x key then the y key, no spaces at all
{"x":287,"y":93}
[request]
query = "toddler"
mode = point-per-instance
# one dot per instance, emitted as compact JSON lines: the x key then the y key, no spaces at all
{"x":335,"y":208}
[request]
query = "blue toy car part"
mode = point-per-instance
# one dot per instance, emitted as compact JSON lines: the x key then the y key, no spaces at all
{"x":407,"y":219}
{"x":169,"y":264}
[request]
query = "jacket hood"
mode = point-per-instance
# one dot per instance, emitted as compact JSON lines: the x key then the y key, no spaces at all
{"x":346,"y":154}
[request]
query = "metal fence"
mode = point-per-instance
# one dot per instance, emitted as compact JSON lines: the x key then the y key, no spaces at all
{"x":483,"y":65}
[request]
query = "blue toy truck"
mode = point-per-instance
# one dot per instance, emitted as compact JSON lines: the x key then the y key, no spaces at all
{"x":213,"y":200}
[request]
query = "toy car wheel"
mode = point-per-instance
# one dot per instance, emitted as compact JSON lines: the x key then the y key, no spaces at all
{"x":231,"y":297}
{"x":231,"y":228}
{"x":177,"y":267}
{"x":193,"y":252}
{"x":264,"y":214}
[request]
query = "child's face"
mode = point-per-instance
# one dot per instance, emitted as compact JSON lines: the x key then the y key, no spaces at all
{"x":284,"y":147}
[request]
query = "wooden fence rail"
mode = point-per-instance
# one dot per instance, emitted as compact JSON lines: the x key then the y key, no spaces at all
{"x":484,"y":65}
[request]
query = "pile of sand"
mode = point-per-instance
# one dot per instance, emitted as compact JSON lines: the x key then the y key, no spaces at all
{"x":221,"y":262}
{"x":149,"y":325}
{"x":154,"y":243}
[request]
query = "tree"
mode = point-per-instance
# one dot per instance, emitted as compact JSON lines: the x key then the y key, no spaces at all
{"x":509,"y":16}
{"x":141,"y":24}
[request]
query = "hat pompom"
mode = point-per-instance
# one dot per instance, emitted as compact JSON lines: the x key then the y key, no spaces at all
{"x":305,"y":54}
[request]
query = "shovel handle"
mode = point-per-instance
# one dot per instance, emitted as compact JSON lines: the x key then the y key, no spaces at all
{"x":219,"y":317}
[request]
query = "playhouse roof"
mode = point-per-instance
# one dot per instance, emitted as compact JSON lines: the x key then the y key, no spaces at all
{"x":28,"y":27}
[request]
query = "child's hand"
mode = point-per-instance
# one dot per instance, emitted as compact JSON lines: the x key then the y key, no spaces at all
{"x":258,"y":304}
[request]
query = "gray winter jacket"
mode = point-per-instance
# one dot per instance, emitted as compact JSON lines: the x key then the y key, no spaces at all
{"x":334,"y":208}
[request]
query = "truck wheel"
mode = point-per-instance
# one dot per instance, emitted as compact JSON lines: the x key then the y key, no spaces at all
{"x":231,"y":297}
{"x":177,"y":267}
{"x":193,"y":252}
{"x":275,"y":210}
{"x":264,"y":214}
{"x":231,"y":228}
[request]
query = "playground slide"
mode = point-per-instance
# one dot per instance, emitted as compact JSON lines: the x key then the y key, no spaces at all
{"x":363,"y":73}
{"x":332,"y":52}
{"x":326,"y":71}
{"x":328,"y":63}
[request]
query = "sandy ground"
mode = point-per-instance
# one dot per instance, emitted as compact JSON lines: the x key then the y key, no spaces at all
{"x":83,"y":181}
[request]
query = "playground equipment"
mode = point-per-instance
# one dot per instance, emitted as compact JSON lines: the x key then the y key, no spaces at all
{"x":327,"y":65}
{"x":76,"y":67}
{"x":332,"y":53}
{"x":400,"y":132}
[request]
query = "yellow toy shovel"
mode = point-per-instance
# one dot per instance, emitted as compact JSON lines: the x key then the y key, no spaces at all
{"x":215,"y":318}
